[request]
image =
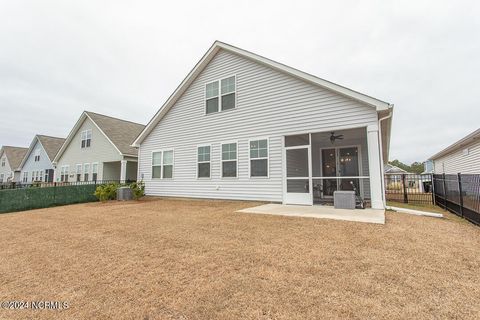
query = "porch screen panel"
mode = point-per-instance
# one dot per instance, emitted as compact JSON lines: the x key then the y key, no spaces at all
{"x":297,"y":163}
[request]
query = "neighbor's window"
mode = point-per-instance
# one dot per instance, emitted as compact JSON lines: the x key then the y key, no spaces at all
{"x":220,"y":95}
{"x":86,"y":172}
{"x":259,"y":158}
{"x":162,"y":164}
{"x":203,"y":158}
{"x":78,"y":172}
{"x":25,"y":176}
{"x":1,"y":177}
{"x":86,"y":138}
{"x":94,"y":171}
{"x":37,"y":155}
{"x":64,"y":173}
{"x":229,"y":160}
{"x":3,"y":162}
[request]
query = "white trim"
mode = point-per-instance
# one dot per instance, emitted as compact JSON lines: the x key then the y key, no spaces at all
{"x":197,"y":162}
{"x":221,"y":160}
{"x":260,"y":158}
{"x":217,"y":46}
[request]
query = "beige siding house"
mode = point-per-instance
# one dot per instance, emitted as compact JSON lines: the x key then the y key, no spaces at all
{"x":98,"y":148}
{"x":461,"y":157}
{"x":241,"y":126}
{"x":10,"y":160}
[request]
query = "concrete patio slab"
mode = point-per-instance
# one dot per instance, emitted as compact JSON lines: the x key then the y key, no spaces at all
{"x":323,"y":212}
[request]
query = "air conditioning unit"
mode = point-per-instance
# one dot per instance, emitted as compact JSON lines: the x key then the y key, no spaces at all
{"x":124,"y":194}
{"x":344,"y":199}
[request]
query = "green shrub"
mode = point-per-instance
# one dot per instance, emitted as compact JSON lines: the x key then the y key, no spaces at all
{"x":106,"y":192}
{"x":138,"y":189}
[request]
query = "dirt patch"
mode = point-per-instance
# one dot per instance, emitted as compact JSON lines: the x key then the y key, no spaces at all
{"x":182,"y":259}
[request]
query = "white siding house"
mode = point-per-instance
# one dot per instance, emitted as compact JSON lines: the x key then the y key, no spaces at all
{"x":37,"y":164}
{"x":10,"y":159}
{"x":98,"y":148}
{"x":241,"y":126}
{"x":461,"y":157}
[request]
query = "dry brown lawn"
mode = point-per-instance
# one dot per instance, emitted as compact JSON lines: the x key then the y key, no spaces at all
{"x":194,"y":259}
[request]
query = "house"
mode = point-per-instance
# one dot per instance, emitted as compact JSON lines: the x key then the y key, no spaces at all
{"x":428,"y":167}
{"x":461,"y":157}
{"x":241,"y":126}
{"x":37,"y":164}
{"x":98,"y":148}
{"x":10,"y":159}
{"x":394,"y":170}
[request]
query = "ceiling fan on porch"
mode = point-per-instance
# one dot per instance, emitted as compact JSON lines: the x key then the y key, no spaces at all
{"x":334,"y":137}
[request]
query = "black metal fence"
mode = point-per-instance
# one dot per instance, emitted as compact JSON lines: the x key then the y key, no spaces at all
{"x":409,"y":188}
{"x":459,"y":193}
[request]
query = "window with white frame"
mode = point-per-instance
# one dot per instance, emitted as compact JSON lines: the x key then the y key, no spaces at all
{"x":229,"y":160}
{"x":259,"y":158}
{"x":94,"y":171}
{"x":203,"y":159}
{"x":86,"y":172}
{"x":86,"y":136}
{"x":3,"y":162}
{"x":162,"y":164}
{"x":37,"y":155}
{"x":220,"y":95}
{"x":78,"y":172}
{"x":2,"y":176}
{"x":47,"y":175}
{"x":25,"y":176}
{"x":64,"y":173}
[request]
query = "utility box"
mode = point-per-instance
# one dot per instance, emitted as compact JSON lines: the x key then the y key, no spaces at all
{"x":344,"y":199}
{"x":124,"y":194}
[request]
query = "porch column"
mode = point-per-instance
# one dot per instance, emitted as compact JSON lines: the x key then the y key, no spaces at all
{"x":374,"y":167}
{"x":123,"y":171}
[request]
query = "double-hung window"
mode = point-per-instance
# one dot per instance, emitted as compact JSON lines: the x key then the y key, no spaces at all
{"x":259,"y":158}
{"x":162,"y":164}
{"x":86,"y":136}
{"x":37,"y":155}
{"x":64,"y":173}
{"x":203,"y":158}
{"x":94,"y":171}
{"x":86,"y":171}
{"x":229,"y":160}
{"x":79,"y":172}
{"x":3,"y":162}
{"x":25,"y":176}
{"x":220,"y":95}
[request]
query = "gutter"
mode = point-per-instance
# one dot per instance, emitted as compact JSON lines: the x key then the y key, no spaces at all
{"x":390,"y":114}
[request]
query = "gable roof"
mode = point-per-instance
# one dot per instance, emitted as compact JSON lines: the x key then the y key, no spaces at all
{"x":14,"y":155}
{"x":460,"y":143}
{"x":216,"y":47}
{"x":120,"y":133}
{"x":51,"y":145}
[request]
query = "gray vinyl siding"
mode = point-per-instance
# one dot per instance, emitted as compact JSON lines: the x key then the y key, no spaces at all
{"x":30,"y":165}
{"x":269,"y":104}
{"x":456,"y":162}
{"x":101,"y":150}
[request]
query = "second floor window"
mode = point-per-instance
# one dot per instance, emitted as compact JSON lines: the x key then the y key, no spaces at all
{"x":37,"y":155}
{"x":220,"y":95}
{"x":3,"y":162}
{"x":86,"y":136}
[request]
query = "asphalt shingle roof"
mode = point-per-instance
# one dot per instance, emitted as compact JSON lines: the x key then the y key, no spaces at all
{"x":14,"y":155}
{"x":121,"y":132}
{"x":51,"y":145}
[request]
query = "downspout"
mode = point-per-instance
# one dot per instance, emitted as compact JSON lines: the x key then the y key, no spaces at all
{"x":381,"y":152}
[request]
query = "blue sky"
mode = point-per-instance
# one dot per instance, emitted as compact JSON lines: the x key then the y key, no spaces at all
{"x":124,"y":58}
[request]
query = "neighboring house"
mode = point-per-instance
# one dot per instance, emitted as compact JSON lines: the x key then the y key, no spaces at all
{"x":428,"y":167}
{"x":461,"y":157}
{"x":37,"y":164}
{"x":98,"y":148}
{"x":10,"y":159}
{"x":241,"y":126}
{"x":390,"y":169}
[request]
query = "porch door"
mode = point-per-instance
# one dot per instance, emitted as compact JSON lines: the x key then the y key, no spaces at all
{"x":298,"y":180}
